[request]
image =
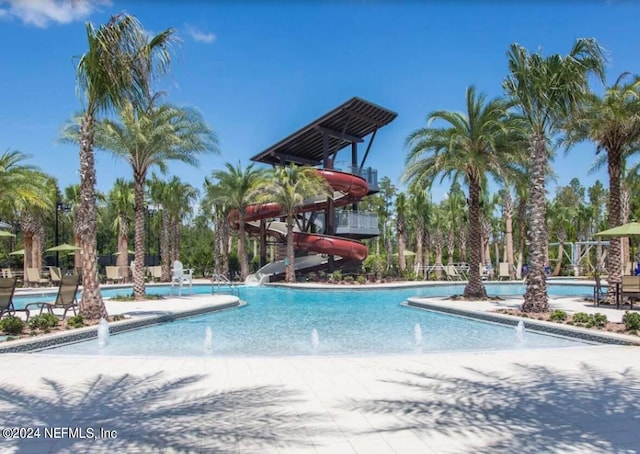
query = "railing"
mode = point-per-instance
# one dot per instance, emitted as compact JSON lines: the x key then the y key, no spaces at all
{"x":222,"y":285}
{"x":357,"y":222}
{"x":369,"y":174}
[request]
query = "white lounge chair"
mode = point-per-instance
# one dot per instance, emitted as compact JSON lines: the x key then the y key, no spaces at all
{"x":179,"y":276}
{"x":503,"y":272}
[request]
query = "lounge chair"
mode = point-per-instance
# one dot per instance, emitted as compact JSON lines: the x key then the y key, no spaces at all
{"x":451,"y":273}
{"x":33,"y":277}
{"x":7,"y":288}
{"x":113,"y":274}
{"x":65,"y":299}
{"x":156,"y":273}
{"x":598,"y":290}
{"x":503,"y":271}
{"x":55,"y":275}
{"x":179,"y":276}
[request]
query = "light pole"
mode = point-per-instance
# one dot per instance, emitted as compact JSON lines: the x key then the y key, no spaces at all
{"x":60,"y":206}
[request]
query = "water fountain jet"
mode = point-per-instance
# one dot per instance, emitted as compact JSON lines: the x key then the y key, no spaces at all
{"x":103,"y":333}
{"x":208,"y":340}
{"x":315,"y":340}
{"x":417,"y":334}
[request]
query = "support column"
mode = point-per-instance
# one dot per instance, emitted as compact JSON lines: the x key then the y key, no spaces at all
{"x":354,"y":167}
{"x":329,"y":214}
{"x":263,"y":243}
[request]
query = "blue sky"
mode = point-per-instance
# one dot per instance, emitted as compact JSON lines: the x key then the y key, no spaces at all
{"x":260,"y":70}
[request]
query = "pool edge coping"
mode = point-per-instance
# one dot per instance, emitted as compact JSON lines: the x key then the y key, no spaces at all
{"x":82,"y":334}
{"x":600,"y":337}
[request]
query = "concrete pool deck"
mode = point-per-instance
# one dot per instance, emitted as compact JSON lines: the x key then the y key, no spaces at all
{"x":579,"y":399}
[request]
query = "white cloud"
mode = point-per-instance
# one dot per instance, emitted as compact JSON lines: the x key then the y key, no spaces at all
{"x":41,"y":13}
{"x":200,"y":36}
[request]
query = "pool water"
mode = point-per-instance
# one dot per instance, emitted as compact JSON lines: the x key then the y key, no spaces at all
{"x":291,"y":322}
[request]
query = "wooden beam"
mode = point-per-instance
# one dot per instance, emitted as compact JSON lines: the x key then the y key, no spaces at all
{"x":296,"y":159}
{"x":338,"y":134}
{"x":363,"y":117}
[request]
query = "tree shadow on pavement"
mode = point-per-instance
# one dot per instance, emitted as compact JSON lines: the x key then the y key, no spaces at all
{"x":530,"y":410}
{"x":154,"y":413}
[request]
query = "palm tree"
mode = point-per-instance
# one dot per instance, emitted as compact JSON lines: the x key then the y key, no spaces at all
{"x":21,"y":185}
{"x":121,"y":199}
{"x":119,"y":64}
{"x":401,"y":230}
{"x":289,"y":187}
{"x":472,"y":146}
{"x":419,"y":214}
{"x":546,"y":91}
{"x":232,"y":187}
{"x":613,"y":123}
{"x":178,"y":199}
{"x":147,"y":137}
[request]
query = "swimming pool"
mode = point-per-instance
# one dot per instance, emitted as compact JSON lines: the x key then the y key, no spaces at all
{"x":289,"y":322}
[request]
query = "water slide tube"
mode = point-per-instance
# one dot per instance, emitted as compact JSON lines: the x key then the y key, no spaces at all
{"x":349,"y":187}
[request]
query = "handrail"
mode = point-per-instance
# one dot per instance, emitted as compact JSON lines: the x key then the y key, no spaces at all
{"x":220,"y":280}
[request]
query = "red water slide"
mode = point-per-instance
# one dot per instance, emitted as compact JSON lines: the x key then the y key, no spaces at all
{"x":352,"y":188}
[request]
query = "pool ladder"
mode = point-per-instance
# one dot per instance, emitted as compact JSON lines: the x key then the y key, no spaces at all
{"x":218,"y":281}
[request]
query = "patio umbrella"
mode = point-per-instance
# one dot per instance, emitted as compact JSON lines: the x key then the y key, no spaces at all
{"x":624,"y":230}
{"x":129,"y":251}
{"x":4,"y":225}
{"x":64,"y":247}
{"x":4,"y":233}
{"x":18,"y":252}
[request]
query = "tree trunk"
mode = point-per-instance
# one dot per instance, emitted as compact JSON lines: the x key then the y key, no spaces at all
{"x":558,"y":267}
{"x":614,"y":264}
{"x":290,"y":270}
{"x":451,"y":244}
{"x":419,"y":237}
{"x":625,"y":209}
{"x":402,"y":260}
{"x":475,"y":287}
{"x":508,"y":235}
{"x":27,"y":242}
{"x":242,"y":249}
{"x":91,"y":305}
{"x":165,"y":257}
{"x":462,"y":243}
{"x":535,"y":297}
{"x":139,"y":233}
{"x":123,"y":243}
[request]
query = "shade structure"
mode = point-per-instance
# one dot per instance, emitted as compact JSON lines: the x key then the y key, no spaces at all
{"x":18,"y":252}
{"x":624,"y":230}
{"x":4,"y":225}
{"x":4,"y":233}
{"x":63,"y":248}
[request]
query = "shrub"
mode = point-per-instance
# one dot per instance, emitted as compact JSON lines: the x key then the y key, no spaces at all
{"x":348,"y":278}
{"x":43,"y":321}
{"x":336,"y":275}
{"x":631,"y":321}
{"x":558,"y":316}
{"x":11,"y":325}
{"x":361,"y":280}
{"x":76,"y":321}
{"x":600,"y":320}
{"x":581,"y":318}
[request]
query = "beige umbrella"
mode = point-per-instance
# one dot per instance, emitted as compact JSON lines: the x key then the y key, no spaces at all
{"x":4,"y":233}
{"x":63,"y":248}
{"x":18,"y":252}
{"x":624,"y":230}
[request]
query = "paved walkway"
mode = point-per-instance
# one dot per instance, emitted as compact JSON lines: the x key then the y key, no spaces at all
{"x":582,"y":400}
